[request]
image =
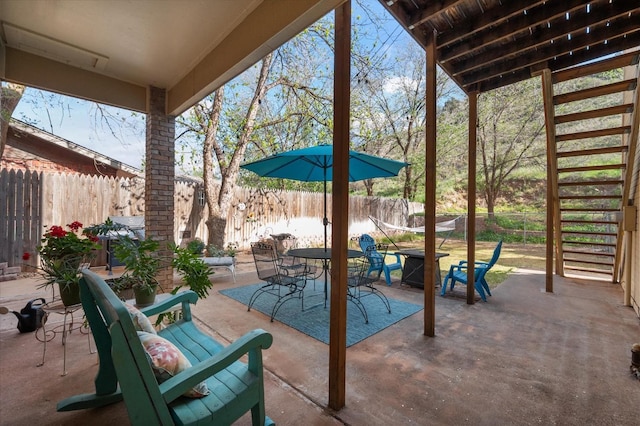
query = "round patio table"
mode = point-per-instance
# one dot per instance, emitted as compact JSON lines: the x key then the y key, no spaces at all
{"x":323,"y":254}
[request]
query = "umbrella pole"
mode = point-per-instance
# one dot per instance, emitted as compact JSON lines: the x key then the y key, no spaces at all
{"x":325,"y":221}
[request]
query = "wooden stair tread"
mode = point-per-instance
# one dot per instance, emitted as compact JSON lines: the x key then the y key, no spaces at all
{"x":592,"y":168}
{"x":594,"y":113}
{"x":593,"y":151}
{"x":588,"y":253}
{"x":590,"y":197}
{"x":589,"y":243}
{"x":597,"y":67}
{"x":598,"y":222}
{"x":603,"y":234}
{"x":592,"y":270}
{"x":587,"y":209}
{"x":593,"y":92}
{"x":591,"y":182}
{"x":588,"y":262}
{"x":594,"y":133}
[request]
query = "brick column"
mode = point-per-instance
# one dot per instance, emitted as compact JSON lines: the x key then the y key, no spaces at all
{"x":159,"y":180}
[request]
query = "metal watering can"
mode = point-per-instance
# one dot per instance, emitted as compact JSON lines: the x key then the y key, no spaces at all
{"x":31,"y":317}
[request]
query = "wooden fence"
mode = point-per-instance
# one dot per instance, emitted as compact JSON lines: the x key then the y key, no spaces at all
{"x":31,"y":201}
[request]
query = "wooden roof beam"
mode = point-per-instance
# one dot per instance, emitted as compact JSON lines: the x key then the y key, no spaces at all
{"x":538,"y":37}
{"x":539,"y":16}
{"x":432,"y":10}
{"x":504,"y":65}
{"x":603,"y":65}
{"x":617,"y":45}
{"x":490,"y":18}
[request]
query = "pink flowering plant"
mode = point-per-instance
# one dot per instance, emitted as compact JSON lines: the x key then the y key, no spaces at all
{"x":63,"y":251}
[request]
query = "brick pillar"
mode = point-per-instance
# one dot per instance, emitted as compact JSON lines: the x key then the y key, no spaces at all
{"x":159,"y":180}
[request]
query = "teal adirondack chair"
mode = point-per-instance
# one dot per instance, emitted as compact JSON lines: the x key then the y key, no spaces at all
{"x":459,"y":273}
{"x":366,"y":241}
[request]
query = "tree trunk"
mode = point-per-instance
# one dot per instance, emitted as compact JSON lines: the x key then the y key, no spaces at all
{"x":368,"y":184}
{"x":216,"y":227}
{"x":10,"y":96}
{"x":490,"y":206}
{"x":219,"y":199}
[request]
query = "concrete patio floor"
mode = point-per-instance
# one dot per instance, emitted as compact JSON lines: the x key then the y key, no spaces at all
{"x":524,"y":357}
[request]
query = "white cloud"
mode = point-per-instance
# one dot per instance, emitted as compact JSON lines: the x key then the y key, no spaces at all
{"x":394,"y":84}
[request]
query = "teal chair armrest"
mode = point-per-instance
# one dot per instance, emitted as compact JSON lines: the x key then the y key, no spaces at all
{"x":251,"y":343}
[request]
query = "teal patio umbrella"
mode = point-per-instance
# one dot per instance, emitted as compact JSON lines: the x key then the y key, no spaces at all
{"x":315,"y":164}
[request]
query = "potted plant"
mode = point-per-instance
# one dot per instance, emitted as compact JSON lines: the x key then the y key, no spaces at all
{"x":230,"y":251}
{"x":196,"y":246}
{"x":141,"y":264}
{"x":195,"y":273}
{"x":62,"y":253}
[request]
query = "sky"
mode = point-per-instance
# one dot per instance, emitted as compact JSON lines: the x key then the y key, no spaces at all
{"x":75,"y":120}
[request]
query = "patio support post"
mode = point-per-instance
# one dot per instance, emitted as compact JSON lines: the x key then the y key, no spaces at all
{"x":553,"y":206}
{"x":340,"y":209}
{"x":471,"y":195}
{"x":430,"y":191}
{"x":160,"y":180}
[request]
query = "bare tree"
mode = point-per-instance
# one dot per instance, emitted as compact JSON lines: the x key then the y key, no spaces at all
{"x":392,"y":121}
{"x":207,"y":116}
{"x":510,"y":127}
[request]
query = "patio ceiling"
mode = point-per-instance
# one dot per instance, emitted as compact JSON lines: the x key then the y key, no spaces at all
{"x":112,"y":51}
{"x":486,"y":44}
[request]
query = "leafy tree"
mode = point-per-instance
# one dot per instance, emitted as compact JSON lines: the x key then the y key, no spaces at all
{"x":510,"y":135}
{"x":281,"y":104}
{"x":392,"y":123}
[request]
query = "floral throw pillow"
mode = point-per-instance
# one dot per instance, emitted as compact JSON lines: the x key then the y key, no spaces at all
{"x":140,"y":321}
{"x":167,"y":361}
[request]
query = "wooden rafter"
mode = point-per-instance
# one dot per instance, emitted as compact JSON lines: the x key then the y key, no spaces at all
{"x":535,"y":26}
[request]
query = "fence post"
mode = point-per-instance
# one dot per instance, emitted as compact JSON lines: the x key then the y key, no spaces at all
{"x":466,"y":218}
{"x":524,"y":238}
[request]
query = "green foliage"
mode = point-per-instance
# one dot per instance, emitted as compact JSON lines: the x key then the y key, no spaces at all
{"x":196,"y":246}
{"x":62,"y":252}
{"x":195,"y":272}
{"x":105,"y":228}
{"x":403,"y":238}
{"x":141,"y":261}
{"x":231,"y":250}
{"x":518,"y":222}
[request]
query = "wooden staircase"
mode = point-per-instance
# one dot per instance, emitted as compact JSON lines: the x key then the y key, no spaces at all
{"x":592,"y":131}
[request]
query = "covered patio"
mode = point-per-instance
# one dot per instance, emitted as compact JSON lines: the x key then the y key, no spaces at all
{"x":542,"y":354}
{"x":525,"y":357}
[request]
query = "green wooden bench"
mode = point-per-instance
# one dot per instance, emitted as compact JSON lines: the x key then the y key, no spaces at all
{"x":125,"y":371}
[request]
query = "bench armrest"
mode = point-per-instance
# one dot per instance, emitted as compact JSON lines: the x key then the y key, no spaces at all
{"x":251,"y":343}
{"x":184,"y":298}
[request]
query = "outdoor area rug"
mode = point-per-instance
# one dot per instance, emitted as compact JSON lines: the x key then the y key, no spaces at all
{"x":314,"y":320}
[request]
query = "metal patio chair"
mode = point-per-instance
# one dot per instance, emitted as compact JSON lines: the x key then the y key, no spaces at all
{"x":285,"y":283}
{"x":360,"y":284}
